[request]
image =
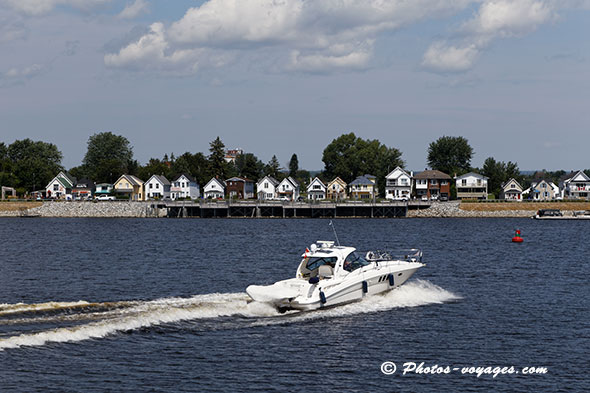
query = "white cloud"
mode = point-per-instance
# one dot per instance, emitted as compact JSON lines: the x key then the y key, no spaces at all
{"x":442,"y":58}
{"x":131,"y":11}
{"x":152,"y":52}
{"x":314,"y":36}
{"x":507,"y":18}
{"x":40,"y":7}
{"x":19,"y":75}
{"x":494,"y":19}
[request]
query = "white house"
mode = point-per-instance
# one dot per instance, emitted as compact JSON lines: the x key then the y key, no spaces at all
{"x":316,"y":189}
{"x":266,"y":188}
{"x":542,"y":190}
{"x":511,"y":191}
{"x":157,"y":187}
{"x":576,"y":186}
{"x":472,"y":185}
{"x":288,"y":188}
{"x":60,"y":186}
{"x":215,"y":189}
{"x":398,"y":184}
{"x":184,"y":186}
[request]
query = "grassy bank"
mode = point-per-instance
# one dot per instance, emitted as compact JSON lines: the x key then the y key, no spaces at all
{"x":15,"y":206}
{"x":532,"y":206}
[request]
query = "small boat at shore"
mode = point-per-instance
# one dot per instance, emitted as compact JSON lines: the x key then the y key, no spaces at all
{"x":330,"y":275}
{"x":556,"y":214}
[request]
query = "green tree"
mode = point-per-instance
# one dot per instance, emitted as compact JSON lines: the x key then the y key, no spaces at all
{"x":349,"y":157}
{"x":273,"y":167}
{"x":195,"y":165}
{"x":218,"y":165}
{"x":154,"y":167}
{"x":451,"y":155}
{"x":249,"y":166}
{"x":34,"y":163}
{"x":7,"y":177}
{"x":108,"y":157}
{"x":293,"y":166}
{"x":498,"y":173}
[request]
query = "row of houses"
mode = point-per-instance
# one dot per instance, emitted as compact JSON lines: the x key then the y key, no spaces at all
{"x":64,"y":186}
{"x":399,"y":185}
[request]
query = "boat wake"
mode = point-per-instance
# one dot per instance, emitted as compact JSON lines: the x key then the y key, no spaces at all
{"x":99,"y":320}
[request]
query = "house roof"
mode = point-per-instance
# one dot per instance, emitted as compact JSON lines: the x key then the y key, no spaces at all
{"x":65,"y":179}
{"x":242,"y":179}
{"x":190,"y":178}
{"x":472,"y":174}
{"x":292,"y":181}
{"x":84,"y":183}
{"x":134,"y":181}
{"x":315,"y":180}
{"x":570,"y":176}
{"x":161,"y":179}
{"x":337,"y":180}
{"x":399,"y":168}
{"x":510,"y":181}
{"x":214,"y":179}
{"x":270,"y":179}
{"x":432,"y":174}
{"x":362,"y":180}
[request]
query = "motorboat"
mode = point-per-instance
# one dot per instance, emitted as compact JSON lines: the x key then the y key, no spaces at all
{"x":330,"y":275}
{"x":548,"y":214}
{"x":555,"y":214}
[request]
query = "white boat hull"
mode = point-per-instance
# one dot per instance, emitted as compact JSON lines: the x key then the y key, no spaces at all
{"x":299,"y":294}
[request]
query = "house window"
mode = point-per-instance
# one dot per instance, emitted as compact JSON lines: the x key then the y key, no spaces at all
{"x":316,"y":187}
{"x":55,"y":187}
{"x":265,"y":185}
{"x":434,"y":182}
{"x":443,"y":182}
{"x":157,"y":185}
{"x":464,"y":182}
{"x":479,"y":182}
{"x":513,"y":185}
{"x":151,"y":185}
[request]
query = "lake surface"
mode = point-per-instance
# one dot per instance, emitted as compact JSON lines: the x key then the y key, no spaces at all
{"x":159,"y":305}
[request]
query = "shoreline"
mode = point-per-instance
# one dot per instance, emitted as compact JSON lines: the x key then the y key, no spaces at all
{"x":451,"y":209}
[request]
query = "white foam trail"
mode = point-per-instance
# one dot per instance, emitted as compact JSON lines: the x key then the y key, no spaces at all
{"x":6,"y":309}
{"x":412,"y":294}
{"x":147,"y":314}
{"x":156,"y":312}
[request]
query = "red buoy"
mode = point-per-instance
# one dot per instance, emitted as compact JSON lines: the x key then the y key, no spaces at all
{"x":517,"y":238}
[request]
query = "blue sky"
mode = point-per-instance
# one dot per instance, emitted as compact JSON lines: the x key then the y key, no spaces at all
{"x":289,"y":76}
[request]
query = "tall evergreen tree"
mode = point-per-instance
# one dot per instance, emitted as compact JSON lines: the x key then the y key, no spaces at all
{"x":293,"y":165}
{"x":273,"y":167}
{"x":217,"y":162}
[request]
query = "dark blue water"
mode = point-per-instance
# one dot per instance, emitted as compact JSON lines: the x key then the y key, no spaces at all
{"x":159,"y":305}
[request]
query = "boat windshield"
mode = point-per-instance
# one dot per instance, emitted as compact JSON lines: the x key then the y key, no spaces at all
{"x":354,"y":261}
{"x":315,"y":262}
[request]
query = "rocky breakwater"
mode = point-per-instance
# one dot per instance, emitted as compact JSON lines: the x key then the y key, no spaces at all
{"x":452,"y":209}
{"x":96,"y":209}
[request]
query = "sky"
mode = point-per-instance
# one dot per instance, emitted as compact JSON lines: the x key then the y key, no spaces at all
{"x":277,"y":77}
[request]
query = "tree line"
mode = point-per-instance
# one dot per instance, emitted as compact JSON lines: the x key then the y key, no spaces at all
{"x":29,"y":165}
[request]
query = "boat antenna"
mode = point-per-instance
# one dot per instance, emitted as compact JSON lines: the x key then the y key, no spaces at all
{"x":335,"y":234}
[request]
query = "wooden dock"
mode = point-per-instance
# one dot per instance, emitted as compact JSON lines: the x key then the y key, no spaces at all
{"x":260,"y":209}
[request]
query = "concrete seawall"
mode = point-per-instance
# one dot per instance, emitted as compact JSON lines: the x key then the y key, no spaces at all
{"x":146,"y":209}
{"x":89,"y":209}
